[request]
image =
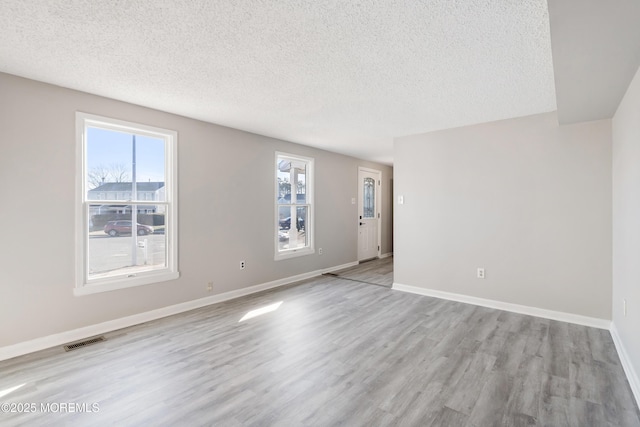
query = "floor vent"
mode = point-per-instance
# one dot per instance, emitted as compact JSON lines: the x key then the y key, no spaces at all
{"x":77,"y":345}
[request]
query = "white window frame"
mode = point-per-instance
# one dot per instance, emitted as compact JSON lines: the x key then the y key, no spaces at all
{"x":309,"y":199}
{"x":85,"y":285}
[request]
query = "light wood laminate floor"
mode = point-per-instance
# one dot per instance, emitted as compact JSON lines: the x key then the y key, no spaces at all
{"x":375,"y":272}
{"x":335,"y":352}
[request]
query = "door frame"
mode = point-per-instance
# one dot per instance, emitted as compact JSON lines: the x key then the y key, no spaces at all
{"x":378,"y":208}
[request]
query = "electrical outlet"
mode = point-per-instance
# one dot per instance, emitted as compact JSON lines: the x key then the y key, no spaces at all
{"x":243,"y":264}
{"x":210,"y":286}
{"x":319,"y":251}
{"x":480,"y":273}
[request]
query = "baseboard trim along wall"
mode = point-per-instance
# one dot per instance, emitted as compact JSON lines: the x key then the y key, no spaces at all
{"x":632,"y":375}
{"x":62,"y":338}
{"x":515,"y":308}
{"x":387,"y":255}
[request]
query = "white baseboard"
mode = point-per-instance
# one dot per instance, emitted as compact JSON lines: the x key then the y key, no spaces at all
{"x":629,"y":370}
{"x":387,"y":255}
{"x":516,"y":308}
{"x":62,"y":338}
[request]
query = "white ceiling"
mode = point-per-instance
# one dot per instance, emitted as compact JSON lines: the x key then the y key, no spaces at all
{"x":346,"y":76}
{"x":596,"y":52}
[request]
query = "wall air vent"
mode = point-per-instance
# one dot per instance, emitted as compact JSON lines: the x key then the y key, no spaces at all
{"x":80,"y":344}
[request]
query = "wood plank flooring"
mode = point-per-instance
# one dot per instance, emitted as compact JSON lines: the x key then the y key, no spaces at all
{"x":376,"y":272}
{"x":335,"y":352}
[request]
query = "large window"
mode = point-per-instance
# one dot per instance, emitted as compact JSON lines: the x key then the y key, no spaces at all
{"x":294,"y":206}
{"x":126,"y":215}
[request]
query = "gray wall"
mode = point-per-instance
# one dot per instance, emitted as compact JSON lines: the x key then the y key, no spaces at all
{"x":226,"y":210}
{"x":526,"y":199}
{"x":626,"y":222}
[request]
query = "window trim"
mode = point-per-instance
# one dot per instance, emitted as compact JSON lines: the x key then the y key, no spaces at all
{"x":309,"y":198}
{"x":84,"y":285}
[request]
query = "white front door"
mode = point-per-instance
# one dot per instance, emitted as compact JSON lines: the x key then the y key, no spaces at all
{"x":369,"y":184}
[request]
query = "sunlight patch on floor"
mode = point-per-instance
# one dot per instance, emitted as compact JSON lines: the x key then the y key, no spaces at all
{"x":260,"y":311}
{"x":6,"y":391}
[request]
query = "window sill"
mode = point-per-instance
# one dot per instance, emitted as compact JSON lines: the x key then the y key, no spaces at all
{"x":294,"y":253}
{"x":124,"y":283}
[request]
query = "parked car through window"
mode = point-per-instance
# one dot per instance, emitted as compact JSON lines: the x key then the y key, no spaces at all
{"x":116,"y":228}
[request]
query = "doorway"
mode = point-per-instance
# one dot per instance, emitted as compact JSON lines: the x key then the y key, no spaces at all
{"x":369,"y":215}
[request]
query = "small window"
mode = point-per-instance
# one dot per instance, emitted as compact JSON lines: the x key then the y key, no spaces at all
{"x":369,"y":198}
{"x":119,"y":245}
{"x":294,"y":206}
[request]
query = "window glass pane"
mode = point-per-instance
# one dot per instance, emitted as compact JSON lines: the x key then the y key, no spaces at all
{"x":292,"y":187}
{"x":301,"y":218}
{"x":369,"y":202}
{"x":111,"y":169}
{"x":299,"y":172}
{"x":284,"y":181}
{"x":114,"y":250}
{"x":284,"y":190}
{"x":292,"y":222}
{"x":284,"y":217}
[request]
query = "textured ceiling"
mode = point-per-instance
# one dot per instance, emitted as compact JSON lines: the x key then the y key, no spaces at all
{"x":346,"y":76}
